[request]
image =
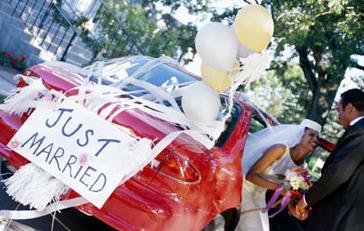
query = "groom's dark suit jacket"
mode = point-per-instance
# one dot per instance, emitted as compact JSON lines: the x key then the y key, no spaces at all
{"x":337,"y":198}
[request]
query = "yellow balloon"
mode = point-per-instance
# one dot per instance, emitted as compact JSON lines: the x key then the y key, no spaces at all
{"x":218,"y":80}
{"x":254,"y":27}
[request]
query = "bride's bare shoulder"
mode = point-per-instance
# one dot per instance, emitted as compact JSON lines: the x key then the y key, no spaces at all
{"x":279,"y":147}
{"x":277,"y":150}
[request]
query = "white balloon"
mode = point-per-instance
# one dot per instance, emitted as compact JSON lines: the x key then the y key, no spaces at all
{"x":200,"y":103}
{"x":243,"y":51}
{"x":217,"y":46}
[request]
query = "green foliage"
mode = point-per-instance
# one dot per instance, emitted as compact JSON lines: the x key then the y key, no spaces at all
{"x":269,"y":87}
{"x":283,"y":94}
{"x":2,"y":98}
{"x":324,"y":34}
{"x":193,"y":6}
{"x":296,"y":104}
{"x":333,"y":128}
{"x":328,"y":29}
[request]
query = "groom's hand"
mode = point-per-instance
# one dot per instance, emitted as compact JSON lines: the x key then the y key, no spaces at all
{"x":293,"y":210}
{"x":300,"y":212}
{"x":302,"y":206}
{"x":303,"y":209}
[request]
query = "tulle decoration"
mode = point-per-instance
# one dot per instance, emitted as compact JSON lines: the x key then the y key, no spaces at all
{"x":257,"y":143}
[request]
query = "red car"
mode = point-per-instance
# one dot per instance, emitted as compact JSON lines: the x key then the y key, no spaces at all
{"x":187,"y":186}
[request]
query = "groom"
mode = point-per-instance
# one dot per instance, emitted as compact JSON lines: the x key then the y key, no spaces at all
{"x":337,"y":198}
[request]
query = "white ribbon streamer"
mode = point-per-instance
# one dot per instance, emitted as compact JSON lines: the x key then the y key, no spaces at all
{"x":30,"y":214}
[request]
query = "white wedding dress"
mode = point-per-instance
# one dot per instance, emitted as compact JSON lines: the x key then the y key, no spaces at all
{"x":253,"y":196}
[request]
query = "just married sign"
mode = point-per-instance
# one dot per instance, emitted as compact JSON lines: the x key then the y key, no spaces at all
{"x":79,"y":148}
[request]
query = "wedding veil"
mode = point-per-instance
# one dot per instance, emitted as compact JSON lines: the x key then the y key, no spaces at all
{"x":289,"y":134}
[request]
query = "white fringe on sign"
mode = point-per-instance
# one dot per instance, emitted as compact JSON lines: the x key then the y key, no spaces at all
{"x":33,"y":186}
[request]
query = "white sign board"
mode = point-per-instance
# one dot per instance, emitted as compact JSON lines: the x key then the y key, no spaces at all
{"x":85,"y":152}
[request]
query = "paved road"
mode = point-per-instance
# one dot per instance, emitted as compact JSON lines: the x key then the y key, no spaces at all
{"x":7,"y":83}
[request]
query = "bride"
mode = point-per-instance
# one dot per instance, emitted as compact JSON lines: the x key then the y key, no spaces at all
{"x":267,"y":153}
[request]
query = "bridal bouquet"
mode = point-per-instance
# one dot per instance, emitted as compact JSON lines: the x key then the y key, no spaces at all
{"x":296,"y":181}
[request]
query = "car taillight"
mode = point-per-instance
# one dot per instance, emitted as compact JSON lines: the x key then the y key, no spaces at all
{"x":20,"y":81}
{"x":328,"y":146}
{"x":178,"y":168}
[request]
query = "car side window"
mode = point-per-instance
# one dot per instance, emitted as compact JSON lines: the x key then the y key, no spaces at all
{"x":230,"y":125}
{"x":257,"y":123}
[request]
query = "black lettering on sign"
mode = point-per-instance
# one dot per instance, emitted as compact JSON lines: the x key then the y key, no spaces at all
{"x":34,"y":141}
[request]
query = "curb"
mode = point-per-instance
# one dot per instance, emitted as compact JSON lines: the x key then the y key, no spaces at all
{"x":7,"y":83}
{"x":6,"y":87}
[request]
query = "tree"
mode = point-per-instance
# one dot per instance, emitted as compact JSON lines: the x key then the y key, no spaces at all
{"x":185,"y":33}
{"x":138,"y":27}
{"x":282,"y":94}
{"x":333,"y":128}
{"x":323,"y":36}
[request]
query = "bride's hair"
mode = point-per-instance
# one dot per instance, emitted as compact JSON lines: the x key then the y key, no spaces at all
{"x":288,"y":134}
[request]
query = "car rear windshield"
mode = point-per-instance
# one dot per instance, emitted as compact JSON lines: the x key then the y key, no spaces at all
{"x":164,"y":75}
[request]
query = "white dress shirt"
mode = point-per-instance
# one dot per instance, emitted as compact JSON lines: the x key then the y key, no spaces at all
{"x":354,"y":121}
